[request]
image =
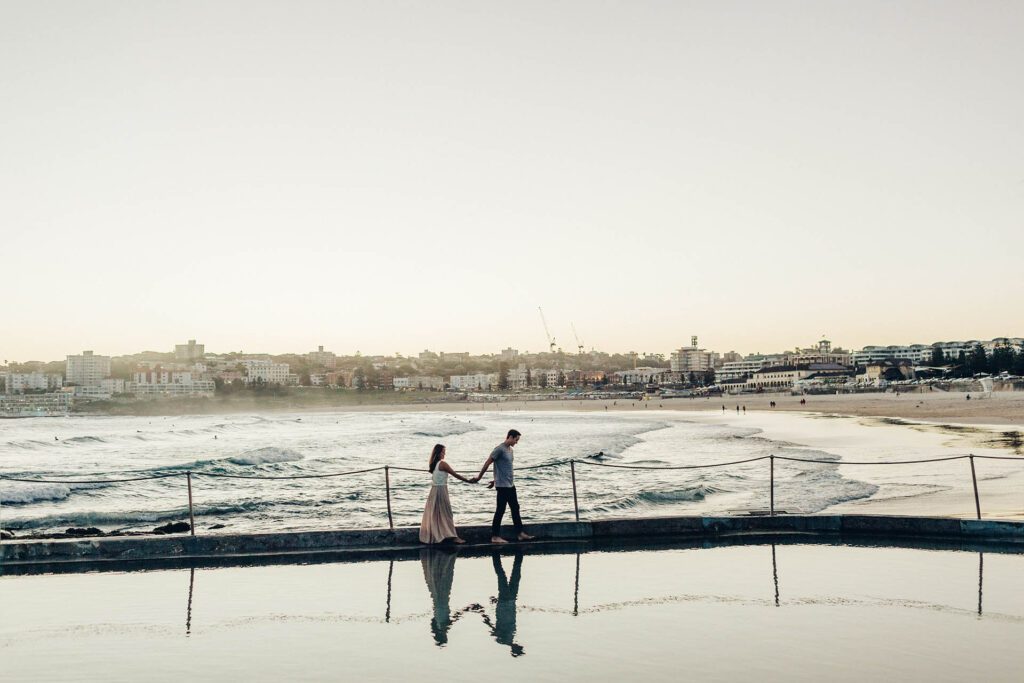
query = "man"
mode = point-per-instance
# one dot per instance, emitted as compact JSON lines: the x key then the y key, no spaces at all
{"x":503,"y":483}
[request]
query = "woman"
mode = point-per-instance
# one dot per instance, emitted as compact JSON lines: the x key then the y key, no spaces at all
{"x":437,"y":524}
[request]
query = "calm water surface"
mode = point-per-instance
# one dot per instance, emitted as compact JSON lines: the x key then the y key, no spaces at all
{"x":765,"y":612}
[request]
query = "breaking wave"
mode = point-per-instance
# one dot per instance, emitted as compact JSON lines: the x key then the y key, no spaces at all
{"x":449,"y":428}
{"x":20,"y":493}
{"x":265,"y":456}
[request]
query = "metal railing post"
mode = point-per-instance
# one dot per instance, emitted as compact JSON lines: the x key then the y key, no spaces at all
{"x":575,"y":500}
{"x":771,"y":482}
{"x":387,"y":487}
{"x":974,"y":479}
{"x":191,"y":514}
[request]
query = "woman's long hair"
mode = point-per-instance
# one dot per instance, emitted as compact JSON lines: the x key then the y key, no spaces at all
{"x":435,"y":456}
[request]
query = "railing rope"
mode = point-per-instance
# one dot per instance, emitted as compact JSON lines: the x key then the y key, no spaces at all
{"x":974,"y":480}
{"x":572,"y":469}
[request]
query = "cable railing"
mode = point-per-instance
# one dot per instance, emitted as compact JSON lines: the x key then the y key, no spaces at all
{"x":572,"y":462}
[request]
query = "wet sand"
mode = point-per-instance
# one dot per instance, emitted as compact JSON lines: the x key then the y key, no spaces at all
{"x":1001,"y":408}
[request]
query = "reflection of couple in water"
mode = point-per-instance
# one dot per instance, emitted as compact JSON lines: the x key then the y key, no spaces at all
{"x":438,"y":525}
{"x":439,"y":572}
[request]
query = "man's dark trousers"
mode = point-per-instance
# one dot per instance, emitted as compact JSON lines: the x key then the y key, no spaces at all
{"x":506,"y":496}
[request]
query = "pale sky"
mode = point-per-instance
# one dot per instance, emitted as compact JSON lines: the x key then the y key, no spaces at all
{"x":394,"y":176}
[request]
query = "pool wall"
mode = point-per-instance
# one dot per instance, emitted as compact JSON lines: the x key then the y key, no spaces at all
{"x":143,"y":548}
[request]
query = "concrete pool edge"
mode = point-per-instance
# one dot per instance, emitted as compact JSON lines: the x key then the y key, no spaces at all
{"x":148,"y":548}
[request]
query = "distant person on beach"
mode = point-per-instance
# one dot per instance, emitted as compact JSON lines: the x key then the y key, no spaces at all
{"x":504,"y":484}
{"x":438,"y":524}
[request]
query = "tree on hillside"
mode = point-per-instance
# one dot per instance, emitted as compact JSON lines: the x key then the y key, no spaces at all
{"x":978,"y":361}
{"x":938,"y":358}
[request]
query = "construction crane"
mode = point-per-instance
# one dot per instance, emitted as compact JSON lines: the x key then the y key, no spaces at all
{"x":551,"y":340}
{"x":579,"y":344}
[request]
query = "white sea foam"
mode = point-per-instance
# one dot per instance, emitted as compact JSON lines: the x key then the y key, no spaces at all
{"x":265,"y":456}
{"x":21,"y":493}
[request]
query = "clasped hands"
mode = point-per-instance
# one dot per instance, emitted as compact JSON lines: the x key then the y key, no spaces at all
{"x":476,"y":480}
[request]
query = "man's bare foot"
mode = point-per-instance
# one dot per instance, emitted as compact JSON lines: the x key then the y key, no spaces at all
{"x":498,"y":539}
{"x":523,"y":536}
{"x":458,"y":540}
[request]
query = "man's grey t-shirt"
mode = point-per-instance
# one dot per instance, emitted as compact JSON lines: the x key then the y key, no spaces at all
{"x":502,"y":457}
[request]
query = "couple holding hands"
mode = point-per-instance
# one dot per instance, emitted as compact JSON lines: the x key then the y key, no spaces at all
{"x":438,"y":525}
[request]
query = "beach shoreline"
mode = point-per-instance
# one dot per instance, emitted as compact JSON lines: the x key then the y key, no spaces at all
{"x":999,"y":409}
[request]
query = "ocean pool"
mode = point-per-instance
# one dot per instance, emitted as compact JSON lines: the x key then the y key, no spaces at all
{"x":789,"y":610}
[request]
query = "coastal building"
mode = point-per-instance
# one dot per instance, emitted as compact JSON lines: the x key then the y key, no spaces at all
{"x":20,"y":382}
{"x":689,"y":359}
{"x":455,"y":358}
{"x":322,"y":359}
{"x":509,"y":355}
{"x":915,"y":353}
{"x":738,"y":370}
{"x":777,"y":377}
{"x":87,"y":369}
{"x":190,"y":351}
{"x":265,"y":371}
{"x":477,"y":382}
{"x":419,"y":382}
{"x":820,"y":353}
{"x":160,"y":382}
{"x":36,"y":405}
{"x":641,"y":375}
{"x":518,"y":378}
{"x":104,"y":389}
{"x":879,"y":372}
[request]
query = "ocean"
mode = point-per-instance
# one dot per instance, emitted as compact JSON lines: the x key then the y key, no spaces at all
{"x":91,"y":447}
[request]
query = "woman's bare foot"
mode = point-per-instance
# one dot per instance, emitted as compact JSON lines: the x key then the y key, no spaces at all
{"x":458,"y":541}
{"x":498,"y":539}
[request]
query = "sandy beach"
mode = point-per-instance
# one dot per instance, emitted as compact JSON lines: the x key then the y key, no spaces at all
{"x":997,"y":409}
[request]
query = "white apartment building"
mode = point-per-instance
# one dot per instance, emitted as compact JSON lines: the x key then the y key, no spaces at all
{"x":323,"y":359}
{"x":738,"y":369}
{"x":161,"y":382}
{"x":18,"y":382}
{"x":427,"y":382}
{"x":477,"y":382}
{"x":691,"y":359}
{"x":519,"y":378}
{"x":265,"y":371}
{"x":915,"y":353}
{"x":200,"y":387}
{"x":87,"y":369}
{"x":547,"y":377}
{"x":641,"y":375}
{"x":189,"y":351}
{"x":36,"y":405}
{"x":105,"y":389}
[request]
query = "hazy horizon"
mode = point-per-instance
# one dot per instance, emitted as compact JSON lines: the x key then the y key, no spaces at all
{"x":398,"y":176}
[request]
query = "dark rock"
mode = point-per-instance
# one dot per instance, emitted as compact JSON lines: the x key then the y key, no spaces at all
{"x":6,"y":535}
{"x":83,"y":531}
{"x":217,"y":526}
{"x":172,"y":528}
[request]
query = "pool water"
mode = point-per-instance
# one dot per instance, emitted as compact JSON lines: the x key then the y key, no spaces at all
{"x":783,"y":611}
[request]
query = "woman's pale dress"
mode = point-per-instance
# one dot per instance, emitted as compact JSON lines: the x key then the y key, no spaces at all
{"x":438,"y":523}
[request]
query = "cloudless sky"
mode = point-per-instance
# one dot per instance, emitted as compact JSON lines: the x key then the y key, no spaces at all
{"x":394,"y":176}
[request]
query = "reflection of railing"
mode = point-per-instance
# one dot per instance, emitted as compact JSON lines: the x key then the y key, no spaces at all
{"x":518,"y":552}
{"x":572,"y":469}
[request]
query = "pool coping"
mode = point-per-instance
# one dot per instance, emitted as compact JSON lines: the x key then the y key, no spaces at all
{"x":206,"y":546}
